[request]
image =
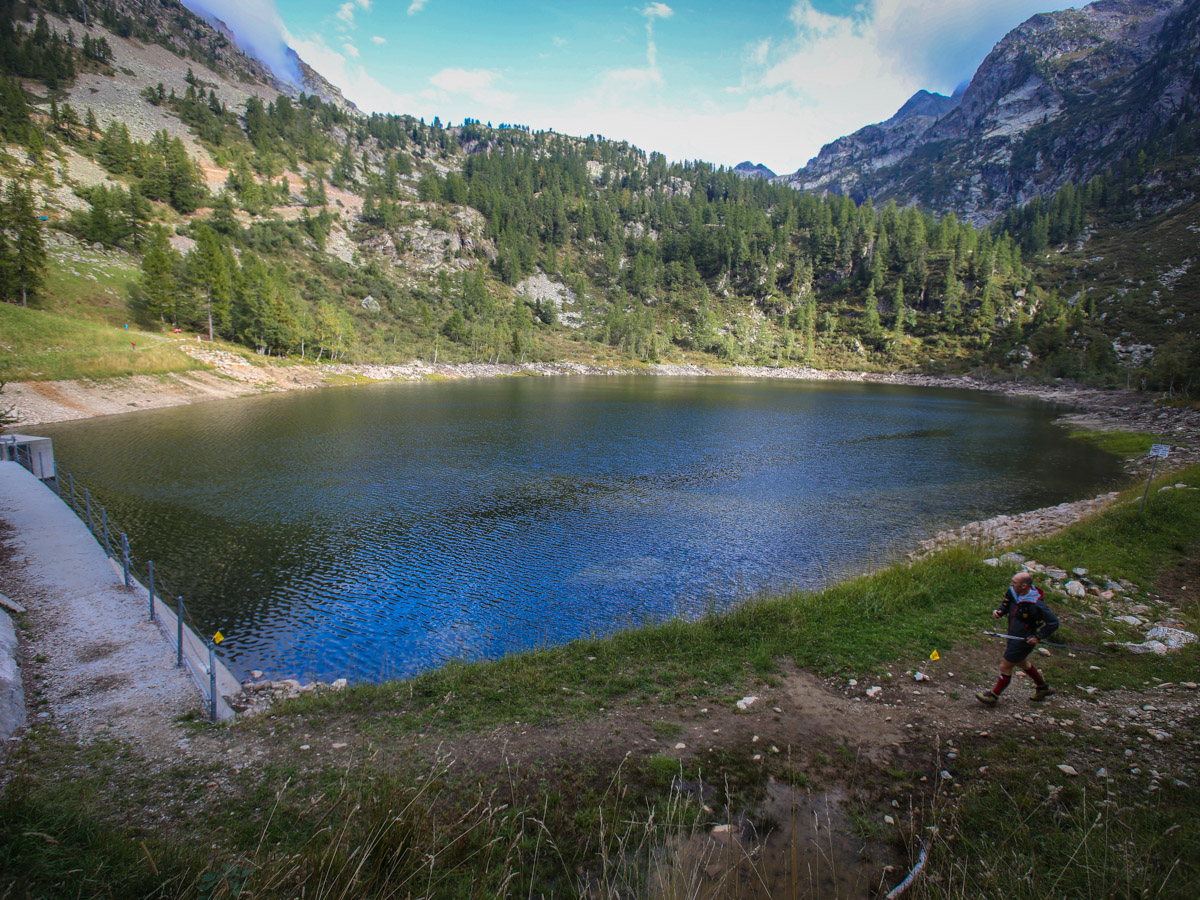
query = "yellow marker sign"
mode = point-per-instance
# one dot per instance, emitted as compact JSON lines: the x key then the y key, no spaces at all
{"x":934,"y":655}
{"x":218,"y":637}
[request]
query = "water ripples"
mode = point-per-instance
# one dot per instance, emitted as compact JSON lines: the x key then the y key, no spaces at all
{"x":374,"y":532}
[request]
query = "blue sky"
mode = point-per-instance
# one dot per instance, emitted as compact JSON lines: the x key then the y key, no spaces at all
{"x":765,"y":81}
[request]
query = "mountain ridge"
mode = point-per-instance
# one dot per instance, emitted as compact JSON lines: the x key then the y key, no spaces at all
{"x":1052,"y":103}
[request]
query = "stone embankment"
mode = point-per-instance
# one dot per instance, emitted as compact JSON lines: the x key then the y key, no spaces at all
{"x":1000,"y":531}
{"x":258,"y":693}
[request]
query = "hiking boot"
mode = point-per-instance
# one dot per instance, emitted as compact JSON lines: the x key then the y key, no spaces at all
{"x":987,"y":698}
{"x":1042,"y":693}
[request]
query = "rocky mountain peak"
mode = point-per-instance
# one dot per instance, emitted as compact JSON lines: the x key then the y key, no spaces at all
{"x":748,"y":169}
{"x":1061,"y":96}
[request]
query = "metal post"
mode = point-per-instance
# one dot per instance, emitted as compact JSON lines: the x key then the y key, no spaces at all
{"x":179,"y":636}
{"x":41,"y":467}
{"x":74,"y":499}
{"x":212,"y":681}
{"x":150,"y":566}
{"x":107,"y":543}
{"x":87,"y":498}
{"x":57,"y":492}
{"x":1153,"y":466}
{"x":125,"y":556}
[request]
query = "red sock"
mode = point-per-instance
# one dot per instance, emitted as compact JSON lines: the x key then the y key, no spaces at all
{"x":1001,"y":684}
{"x":1033,"y":673}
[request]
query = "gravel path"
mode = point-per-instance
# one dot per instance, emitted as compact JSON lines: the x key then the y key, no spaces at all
{"x":104,"y":671}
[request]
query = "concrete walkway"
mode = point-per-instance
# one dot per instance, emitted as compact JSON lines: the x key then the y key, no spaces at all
{"x":105,"y":667}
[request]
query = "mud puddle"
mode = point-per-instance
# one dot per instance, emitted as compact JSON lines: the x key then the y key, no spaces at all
{"x":796,"y":845}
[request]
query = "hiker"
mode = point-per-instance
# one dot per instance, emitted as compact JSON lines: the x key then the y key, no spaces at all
{"x":1029,"y":620}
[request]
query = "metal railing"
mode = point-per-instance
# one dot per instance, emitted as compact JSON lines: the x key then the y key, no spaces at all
{"x":187,"y":636}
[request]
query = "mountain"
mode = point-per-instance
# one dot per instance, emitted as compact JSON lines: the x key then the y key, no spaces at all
{"x":180,"y":183}
{"x":1059,"y":99}
{"x":748,"y":169}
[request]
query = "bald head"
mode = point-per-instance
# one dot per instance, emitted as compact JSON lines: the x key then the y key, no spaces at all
{"x":1022,"y":582}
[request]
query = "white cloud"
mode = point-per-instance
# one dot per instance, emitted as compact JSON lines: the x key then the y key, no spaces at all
{"x":616,"y":82}
{"x":350,"y":49}
{"x":356,"y":84}
{"x":258,"y":29}
{"x":474,"y":85}
{"x":558,"y":41}
{"x":376,"y":39}
{"x":416,"y":6}
{"x":347,"y":10}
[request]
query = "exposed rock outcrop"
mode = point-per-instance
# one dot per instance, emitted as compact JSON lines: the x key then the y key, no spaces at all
{"x":1059,"y":98}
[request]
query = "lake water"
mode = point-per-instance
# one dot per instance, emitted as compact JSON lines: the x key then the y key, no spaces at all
{"x":375,"y":531}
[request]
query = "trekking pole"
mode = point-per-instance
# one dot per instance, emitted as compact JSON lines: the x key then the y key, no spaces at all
{"x":1013,"y":637}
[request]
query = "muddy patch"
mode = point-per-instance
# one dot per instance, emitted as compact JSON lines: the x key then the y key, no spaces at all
{"x":796,"y":844}
{"x":93,"y":652}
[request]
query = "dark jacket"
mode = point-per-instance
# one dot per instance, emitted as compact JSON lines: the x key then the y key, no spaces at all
{"x":1028,"y":615}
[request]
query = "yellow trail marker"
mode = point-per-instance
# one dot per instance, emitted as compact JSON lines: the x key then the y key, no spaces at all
{"x":934,"y":655}
{"x":218,"y":637}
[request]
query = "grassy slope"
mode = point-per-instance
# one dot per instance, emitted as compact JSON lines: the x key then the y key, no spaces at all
{"x":45,"y":346}
{"x":373,"y":829}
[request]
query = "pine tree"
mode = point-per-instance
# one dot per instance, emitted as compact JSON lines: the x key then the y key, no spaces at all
{"x":155,"y":294}
{"x":870,"y":310}
{"x":27,"y":270}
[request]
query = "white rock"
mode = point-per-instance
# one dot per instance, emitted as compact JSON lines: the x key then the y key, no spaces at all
{"x":853,"y":682}
{"x":1068,"y":771}
{"x":746,"y":702}
{"x":339,"y":684}
{"x":888,"y":820}
{"x":874,"y":691}
{"x":1076,"y":589}
{"x":1129,"y":620}
{"x":1190,"y":685}
{"x":681,"y":746}
{"x":921,"y":676}
{"x":339,"y":746}
{"x":1080,"y":572}
{"x":721,"y":829}
{"x":946,"y":776}
{"x":256,"y":674}
{"x":1174,"y":638}
{"x":991,"y":562}
{"x":1012,"y":559}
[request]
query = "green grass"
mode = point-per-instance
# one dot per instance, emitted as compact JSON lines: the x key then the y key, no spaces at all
{"x":1125,"y":444}
{"x":1026,"y":830}
{"x":93,"y":287}
{"x":42,"y":346}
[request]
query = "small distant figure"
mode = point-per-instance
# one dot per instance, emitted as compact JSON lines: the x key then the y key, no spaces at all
{"x":126,"y":326}
{"x":1030,"y":620}
{"x":133,"y":345}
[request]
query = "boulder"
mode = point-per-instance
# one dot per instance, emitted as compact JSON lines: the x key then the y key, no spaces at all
{"x":1173,"y":638}
{"x":1146,"y":647}
{"x":1076,"y":589}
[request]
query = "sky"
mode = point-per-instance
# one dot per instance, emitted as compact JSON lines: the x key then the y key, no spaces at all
{"x":768,"y":82}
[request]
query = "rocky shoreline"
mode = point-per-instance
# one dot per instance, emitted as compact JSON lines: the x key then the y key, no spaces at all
{"x":232,"y":376}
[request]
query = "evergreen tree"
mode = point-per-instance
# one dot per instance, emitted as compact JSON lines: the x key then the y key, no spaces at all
{"x":28,"y":256}
{"x":155,"y":295}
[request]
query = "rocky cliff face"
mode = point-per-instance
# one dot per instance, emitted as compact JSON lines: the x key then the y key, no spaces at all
{"x":748,"y":169}
{"x":1059,"y":98}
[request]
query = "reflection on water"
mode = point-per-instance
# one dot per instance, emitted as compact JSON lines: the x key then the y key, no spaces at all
{"x":374,"y":531}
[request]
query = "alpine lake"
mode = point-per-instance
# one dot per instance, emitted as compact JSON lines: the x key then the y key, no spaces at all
{"x":374,"y":531}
